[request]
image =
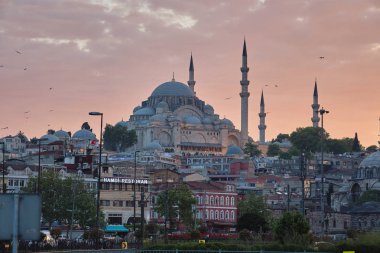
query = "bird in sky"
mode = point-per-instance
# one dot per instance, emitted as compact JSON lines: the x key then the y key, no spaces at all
{"x":3,"y":128}
{"x":276,"y":85}
{"x":50,"y":88}
{"x":18,"y":52}
{"x":25,"y":68}
{"x":27,"y":112}
{"x":227,"y":98}
{"x":1,"y":66}
{"x":266,"y":85}
{"x":321,"y":57}
{"x":51,"y":110}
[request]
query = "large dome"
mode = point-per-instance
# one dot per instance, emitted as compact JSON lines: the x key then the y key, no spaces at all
{"x":173,"y":89}
{"x":373,"y":160}
{"x":84,"y":134}
{"x":234,"y":150}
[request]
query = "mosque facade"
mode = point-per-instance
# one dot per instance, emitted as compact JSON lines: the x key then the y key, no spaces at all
{"x":174,"y":117}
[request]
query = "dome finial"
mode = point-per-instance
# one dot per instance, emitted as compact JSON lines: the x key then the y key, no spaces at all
{"x":173,"y":80}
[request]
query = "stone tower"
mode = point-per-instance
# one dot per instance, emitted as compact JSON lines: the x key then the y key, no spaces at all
{"x":262,"y":115}
{"x":244,"y":94}
{"x":191,"y":81}
{"x":315,"y":119}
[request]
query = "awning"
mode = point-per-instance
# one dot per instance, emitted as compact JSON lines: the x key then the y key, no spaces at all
{"x":115,"y":228}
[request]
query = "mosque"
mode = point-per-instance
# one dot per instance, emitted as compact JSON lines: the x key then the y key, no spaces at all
{"x":174,"y":117}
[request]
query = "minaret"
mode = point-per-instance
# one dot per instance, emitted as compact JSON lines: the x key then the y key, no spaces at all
{"x":244,"y":94}
{"x":191,"y":81}
{"x":315,"y":106}
{"x":262,"y":115}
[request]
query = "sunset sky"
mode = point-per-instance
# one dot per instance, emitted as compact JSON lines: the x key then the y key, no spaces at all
{"x":60,"y":60}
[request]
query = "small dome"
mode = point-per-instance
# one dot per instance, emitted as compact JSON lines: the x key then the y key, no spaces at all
{"x":207,"y":121}
{"x":162,"y":107}
{"x":49,"y":138}
{"x":84,"y":134}
{"x":62,"y":134}
{"x":154,"y":145}
{"x":136,"y":108}
{"x":157,"y":118}
{"x":373,"y":160}
{"x":173,"y":88}
{"x":122,"y":123}
{"x":191,"y":119}
{"x":234,"y":150}
{"x":209,"y":109}
{"x":145,"y":111}
{"x":226,"y":122}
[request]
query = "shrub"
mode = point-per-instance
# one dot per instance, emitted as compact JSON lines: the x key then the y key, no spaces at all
{"x":245,"y":235}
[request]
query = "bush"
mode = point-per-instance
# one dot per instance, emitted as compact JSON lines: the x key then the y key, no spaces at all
{"x":195,"y":234}
{"x":245,"y":235}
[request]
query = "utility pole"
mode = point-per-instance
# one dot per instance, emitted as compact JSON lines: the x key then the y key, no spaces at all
{"x":142,"y":217}
{"x":288,"y":198}
{"x":322,"y":112}
{"x":303,"y":175}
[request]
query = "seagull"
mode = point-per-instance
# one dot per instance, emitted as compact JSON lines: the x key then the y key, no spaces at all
{"x":50,"y":88}
{"x":276,"y":85}
{"x":27,"y":112}
{"x":227,"y":98}
{"x":266,"y":85}
{"x":51,"y":110}
{"x":1,"y":66}
{"x":3,"y":128}
{"x":18,"y":52}
{"x":321,"y":57}
{"x":25,"y":68}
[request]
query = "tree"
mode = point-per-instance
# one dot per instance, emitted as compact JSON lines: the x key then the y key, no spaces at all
{"x":175,"y":203}
{"x":281,"y":137}
{"x":118,"y":138}
{"x":285,"y":156}
{"x":291,"y":228}
{"x":308,"y":139}
{"x":251,"y":149}
{"x":253,"y":214}
{"x":371,"y":149}
{"x":58,"y":197}
{"x":356,"y":147}
{"x":337,"y":146}
{"x":273,"y":150}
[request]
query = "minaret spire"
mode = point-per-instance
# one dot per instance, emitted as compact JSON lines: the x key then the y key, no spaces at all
{"x":262,"y":116}
{"x":244,"y":94}
{"x":315,"y":119}
{"x":191,"y":81}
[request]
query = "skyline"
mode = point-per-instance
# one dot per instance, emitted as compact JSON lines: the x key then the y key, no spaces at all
{"x":63,"y":59}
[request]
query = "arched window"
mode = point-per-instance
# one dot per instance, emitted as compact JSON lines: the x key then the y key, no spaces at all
{"x":227,"y":201}
{"x":211,"y":200}
{"x":207,"y":200}
{"x":216,"y":215}
{"x":198,"y":200}
{"x":206,"y":214}
{"x":222,"y":201}
{"x":221,"y":215}
{"x":216,"y":200}
{"x":232,"y":201}
{"x":211,"y":215}
{"x":232,"y":215}
{"x":227,"y":215}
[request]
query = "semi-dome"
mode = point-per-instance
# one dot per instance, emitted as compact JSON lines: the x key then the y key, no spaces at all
{"x":207,"y":121}
{"x":154,"y":145}
{"x":191,"y":119}
{"x":157,"y":118}
{"x":84,"y":134}
{"x":234,"y":150}
{"x":373,"y":160}
{"x":62,"y":134}
{"x":162,"y":107}
{"x":136,"y":108}
{"x":227,"y":122}
{"x":173,"y":88}
{"x":49,"y":138}
{"x":122,"y":123}
{"x":145,"y":111}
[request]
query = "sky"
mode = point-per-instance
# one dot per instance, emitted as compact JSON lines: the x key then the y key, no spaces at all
{"x":59,"y":60}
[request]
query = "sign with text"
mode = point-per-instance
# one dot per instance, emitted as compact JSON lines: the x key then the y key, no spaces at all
{"x":124,"y":180}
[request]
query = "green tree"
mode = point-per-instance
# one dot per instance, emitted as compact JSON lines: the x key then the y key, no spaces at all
{"x":285,"y":156}
{"x":337,"y":146}
{"x":58,"y":197}
{"x":251,"y":149}
{"x":273,"y":150}
{"x":291,"y":228}
{"x":253,"y":214}
{"x":307,"y":140}
{"x":175,"y":203}
{"x":281,"y":137}
{"x":356,"y":147}
{"x":371,"y":149}
{"x":118,"y":138}
{"x":370,"y":195}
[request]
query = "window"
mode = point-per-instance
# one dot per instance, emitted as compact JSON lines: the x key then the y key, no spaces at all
{"x":217,"y":200}
{"x":227,"y":201}
{"x":22,"y":183}
{"x":211,"y":200}
{"x":216,"y":215}
{"x":221,"y":215}
{"x":227,"y":215}
{"x":206,"y":214}
{"x":232,"y":215}
{"x":207,"y":200}
{"x":10,"y":182}
{"x":105,"y":202}
{"x":222,"y":201}
{"x":117,"y":203}
{"x":232,"y":201}
{"x":211,"y":215}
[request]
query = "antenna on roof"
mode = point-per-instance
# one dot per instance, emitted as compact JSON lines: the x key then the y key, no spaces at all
{"x":173,"y":80}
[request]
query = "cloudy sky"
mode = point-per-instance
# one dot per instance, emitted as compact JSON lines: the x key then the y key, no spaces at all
{"x":61,"y":59}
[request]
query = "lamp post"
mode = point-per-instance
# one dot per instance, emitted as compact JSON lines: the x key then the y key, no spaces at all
{"x":322,"y":112}
{"x":39,"y":164}
{"x":4,"y":185}
{"x":134,"y":193}
{"x":99,"y":172}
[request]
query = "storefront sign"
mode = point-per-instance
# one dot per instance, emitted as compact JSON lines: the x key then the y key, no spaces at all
{"x":122,"y":180}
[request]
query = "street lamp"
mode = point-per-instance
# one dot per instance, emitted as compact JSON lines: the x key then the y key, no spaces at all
{"x":322,"y":112}
{"x":4,"y":185}
{"x":39,"y":164}
{"x":99,"y":171}
{"x":134,"y":193}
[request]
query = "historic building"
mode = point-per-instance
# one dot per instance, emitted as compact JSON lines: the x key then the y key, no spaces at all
{"x":174,"y":117}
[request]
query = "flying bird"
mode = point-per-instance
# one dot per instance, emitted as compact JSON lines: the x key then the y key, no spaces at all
{"x":266,"y":85}
{"x":18,"y":52}
{"x":51,"y":110}
{"x":3,"y":128}
{"x":50,"y":88}
{"x":276,"y":85}
{"x":25,"y":68}
{"x":27,"y":112}
{"x":321,"y":57}
{"x":1,"y":66}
